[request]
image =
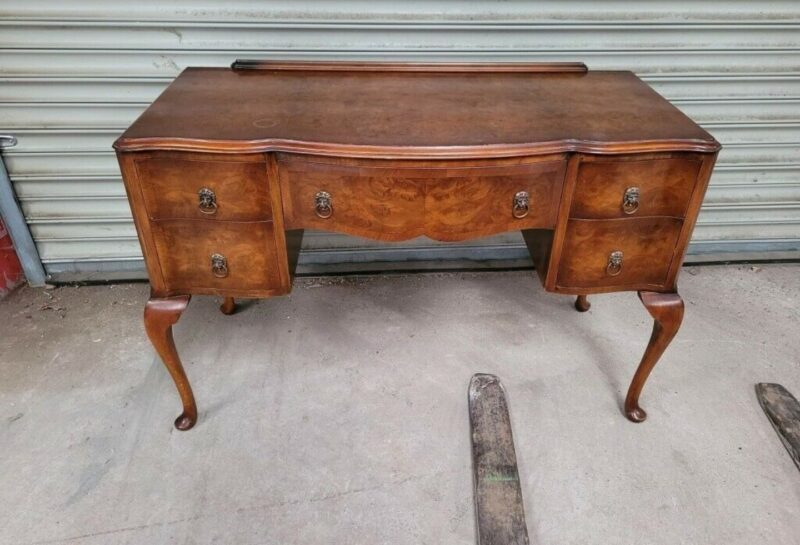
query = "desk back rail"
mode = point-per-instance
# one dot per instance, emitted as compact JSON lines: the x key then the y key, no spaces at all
{"x":453,"y":67}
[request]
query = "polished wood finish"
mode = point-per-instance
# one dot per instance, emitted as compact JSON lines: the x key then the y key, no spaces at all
{"x":582,"y":303}
{"x":667,"y":312}
{"x":172,"y":181}
{"x":690,"y":220}
{"x":647,"y":246}
{"x":571,"y":231}
{"x":540,"y":245}
{"x":436,"y":67}
{"x":665,"y":185}
{"x":546,"y":246}
{"x":160,"y":314}
{"x":603,"y":177}
{"x":185,"y":249}
{"x":444,"y":200}
{"x":142,"y":222}
{"x":400,"y":114}
{"x":178,"y":240}
{"x":228,"y":306}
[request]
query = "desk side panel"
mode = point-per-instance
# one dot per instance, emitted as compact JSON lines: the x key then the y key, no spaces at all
{"x":141,"y":220}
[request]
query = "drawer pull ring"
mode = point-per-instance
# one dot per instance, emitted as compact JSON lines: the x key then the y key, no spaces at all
{"x":630,"y":200}
{"x":208,"y":201}
{"x":614,"y":266}
{"x":219,"y":265}
{"x":323,"y":205}
{"x":522,"y":204}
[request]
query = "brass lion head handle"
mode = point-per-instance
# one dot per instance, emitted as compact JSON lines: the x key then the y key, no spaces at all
{"x":219,"y":265}
{"x":630,"y":200}
{"x":207,"y":201}
{"x":323,"y":204}
{"x":614,"y":266}
{"x":521,"y":205}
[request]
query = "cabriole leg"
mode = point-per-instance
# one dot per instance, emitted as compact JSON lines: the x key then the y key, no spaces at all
{"x":228,"y":306}
{"x":667,"y":312}
{"x":160,"y":314}
{"x":582,"y":303}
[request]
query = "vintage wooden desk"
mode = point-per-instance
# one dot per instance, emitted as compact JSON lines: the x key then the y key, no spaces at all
{"x":603,"y":177}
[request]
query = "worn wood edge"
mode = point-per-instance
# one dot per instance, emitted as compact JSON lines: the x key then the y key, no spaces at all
{"x":228,"y":306}
{"x":124,"y":144}
{"x":369,"y":66}
{"x":599,"y":290}
{"x":221,"y":292}
{"x":133,"y":189}
{"x":515,"y":165}
{"x":582,"y":303}
{"x":279,"y":214}
{"x":550,"y":276}
{"x":783,"y":414}
{"x":690,"y":220}
{"x":518,"y":535}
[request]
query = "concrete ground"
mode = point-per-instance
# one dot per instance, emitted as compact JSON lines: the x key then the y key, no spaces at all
{"x":338,"y":415}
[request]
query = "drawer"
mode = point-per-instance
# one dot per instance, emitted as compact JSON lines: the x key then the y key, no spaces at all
{"x":655,"y":186}
{"x":331,"y":196}
{"x":464,"y":205}
{"x":445,"y":200}
{"x":247,"y":255}
{"x":190,"y":186}
{"x":634,"y":252}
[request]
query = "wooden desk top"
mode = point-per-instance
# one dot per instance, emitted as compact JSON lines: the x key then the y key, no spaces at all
{"x":413,"y":111}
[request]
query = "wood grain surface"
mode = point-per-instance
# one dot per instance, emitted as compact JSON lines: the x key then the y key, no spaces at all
{"x":171,"y":183}
{"x":667,"y":312}
{"x":185,"y":248}
{"x":397,"y":113}
{"x":665,"y":185}
{"x":160,"y":314}
{"x":444,"y":200}
{"x":647,"y":245}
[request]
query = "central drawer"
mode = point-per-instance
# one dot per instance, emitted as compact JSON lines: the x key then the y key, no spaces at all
{"x":398,"y":200}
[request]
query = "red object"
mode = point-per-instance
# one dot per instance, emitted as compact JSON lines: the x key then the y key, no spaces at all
{"x":10,"y":270}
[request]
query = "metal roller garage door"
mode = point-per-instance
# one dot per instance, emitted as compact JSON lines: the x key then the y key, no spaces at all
{"x":73,"y":76}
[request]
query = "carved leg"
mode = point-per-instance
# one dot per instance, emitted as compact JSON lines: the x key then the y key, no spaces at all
{"x":582,"y":303}
{"x":160,"y":314}
{"x":228,"y":306}
{"x":667,"y":311}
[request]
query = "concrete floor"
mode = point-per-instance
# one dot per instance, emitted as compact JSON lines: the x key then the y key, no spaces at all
{"x":338,"y":414}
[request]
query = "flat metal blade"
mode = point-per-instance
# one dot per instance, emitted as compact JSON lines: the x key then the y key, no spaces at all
{"x":783,"y":411}
{"x":498,"y":497}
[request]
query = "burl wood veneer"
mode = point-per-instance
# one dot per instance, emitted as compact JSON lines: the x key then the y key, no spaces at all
{"x":603,"y":177}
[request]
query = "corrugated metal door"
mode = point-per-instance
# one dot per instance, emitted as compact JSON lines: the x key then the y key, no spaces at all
{"x":75,"y":74}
